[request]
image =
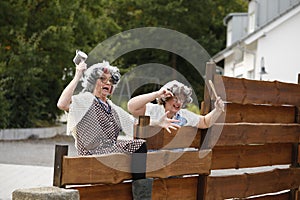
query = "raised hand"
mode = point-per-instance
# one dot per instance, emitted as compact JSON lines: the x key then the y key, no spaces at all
{"x":164,"y":93}
{"x":219,"y":104}
{"x":166,"y":123}
{"x":80,"y":68}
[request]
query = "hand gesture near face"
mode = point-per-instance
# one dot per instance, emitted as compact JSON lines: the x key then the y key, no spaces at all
{"x":164,"y":93}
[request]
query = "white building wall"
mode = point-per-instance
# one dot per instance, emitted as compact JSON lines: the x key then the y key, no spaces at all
{"x":242,"y":68}
{"x":228,"y":70}
{"x":281,"y":51}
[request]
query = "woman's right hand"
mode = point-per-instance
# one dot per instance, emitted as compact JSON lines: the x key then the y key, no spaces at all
{"x":80,"y":68}
{"x":164,"y":93}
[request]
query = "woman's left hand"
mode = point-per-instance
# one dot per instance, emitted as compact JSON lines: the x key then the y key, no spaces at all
{"x":219,"y":104}
{"x":167,"y":123}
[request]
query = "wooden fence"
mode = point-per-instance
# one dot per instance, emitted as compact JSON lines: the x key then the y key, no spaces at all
{"x":259,"y":128}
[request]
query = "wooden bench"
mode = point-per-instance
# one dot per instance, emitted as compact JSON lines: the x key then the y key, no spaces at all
{"x":176,"y":173}
{"x":260,"y":128}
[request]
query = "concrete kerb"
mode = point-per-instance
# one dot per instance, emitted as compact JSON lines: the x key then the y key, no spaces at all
{"x":49,"y":193}
{"x":32,"y":133}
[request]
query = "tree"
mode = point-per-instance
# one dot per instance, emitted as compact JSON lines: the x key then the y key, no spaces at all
{"x":201,"y":20}
{"x":38,"y":40}
{"x":37,"y":45}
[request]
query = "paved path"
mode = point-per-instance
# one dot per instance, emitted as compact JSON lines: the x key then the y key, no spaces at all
{"x":23,"y":176}
{"x":28,"y":163}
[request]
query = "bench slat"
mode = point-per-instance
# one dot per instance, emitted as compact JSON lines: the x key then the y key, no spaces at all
{"x":251,"y":113}
{"x":245,"y":185}
{"x":243,"y":156}
{"x":173,"y":188}
{"x":158,"y":138}
{"x":245,"y":91}
{"x":252,"y":133}
{"x":114,"y":168}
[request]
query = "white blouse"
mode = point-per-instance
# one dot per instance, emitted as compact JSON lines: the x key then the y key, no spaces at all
{"x":156,"y":111}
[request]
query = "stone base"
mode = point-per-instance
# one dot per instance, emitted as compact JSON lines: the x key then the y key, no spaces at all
{"x":45,"y":193}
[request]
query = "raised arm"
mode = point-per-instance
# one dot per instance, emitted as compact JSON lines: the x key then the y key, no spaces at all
{"x":209,"y":119}
{"x":64,"y":100}
{"x":137,"y":105}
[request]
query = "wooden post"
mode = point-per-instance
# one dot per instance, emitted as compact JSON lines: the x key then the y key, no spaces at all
{"x":140,"y":127}
{"x":60,"y":152}
{"x":206,"y":107}
{"x":202,"y":182}
{"x":298,"y":106}
{"x":295,"y":151}
{"x":209,"y":75}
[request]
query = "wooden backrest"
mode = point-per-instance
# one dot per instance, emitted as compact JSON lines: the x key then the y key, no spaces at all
{"x":259,"y":128}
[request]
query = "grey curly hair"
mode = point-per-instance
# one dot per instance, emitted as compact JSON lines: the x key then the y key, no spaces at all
{"x":179,"y":90}
{"x":95,"y":72}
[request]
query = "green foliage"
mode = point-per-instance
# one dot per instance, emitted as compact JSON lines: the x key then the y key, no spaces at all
{"x":202,"y":20}
{"x":194,"y":108}
{"x":38,"y":39}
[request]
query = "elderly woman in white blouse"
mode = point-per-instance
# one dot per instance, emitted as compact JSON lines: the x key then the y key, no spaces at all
{"x":171,"y":101}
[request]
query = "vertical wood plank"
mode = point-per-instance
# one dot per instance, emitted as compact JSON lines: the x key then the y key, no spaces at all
{"x":295,"y":152}
{"x":209,"y":75}
{"x":295,"y":155}
{"x":201,"y":187}
{"x":206,"y":107}
{"x":140,"y":128}
{"x":297,"y":118}
{"x":60,"y":152}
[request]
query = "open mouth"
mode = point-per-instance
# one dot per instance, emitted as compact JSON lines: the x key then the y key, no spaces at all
{"x":176,"y":106}
{"x":106,"y":88}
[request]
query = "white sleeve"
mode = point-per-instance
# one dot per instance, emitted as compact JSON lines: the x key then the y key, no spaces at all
{"x":155,"y":111}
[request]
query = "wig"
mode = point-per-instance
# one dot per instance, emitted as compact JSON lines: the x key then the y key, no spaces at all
{"x":179,"y":90}
{"x":95,"y":72}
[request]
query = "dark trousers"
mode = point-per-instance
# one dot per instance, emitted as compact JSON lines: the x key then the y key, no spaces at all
{"x":138,"y":163}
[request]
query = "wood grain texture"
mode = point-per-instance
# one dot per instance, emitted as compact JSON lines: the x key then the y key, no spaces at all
{"x":276,"y":196}
{"x":245,"y":185}
{"x":178,"y":163}
{"x":236,"y":113}
{"x":245,"y":91}
{"x":227,"y":157}
{"x":114,"y":168}
{"x":253,"y":133}
{"x":173,"y":188}
{"x":183,"y":137}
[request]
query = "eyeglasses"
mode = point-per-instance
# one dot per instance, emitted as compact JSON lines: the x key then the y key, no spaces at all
{"x":106,"y":80}
{"x":178,"y":100}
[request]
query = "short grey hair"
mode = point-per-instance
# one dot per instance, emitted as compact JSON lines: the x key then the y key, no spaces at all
{"x":179,"y":90}
{"x":93,"y":73}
